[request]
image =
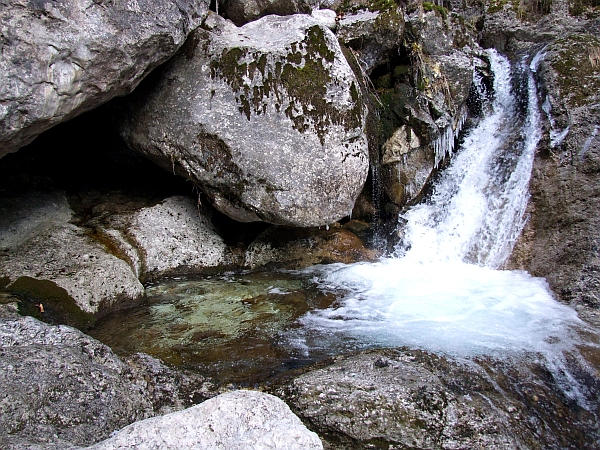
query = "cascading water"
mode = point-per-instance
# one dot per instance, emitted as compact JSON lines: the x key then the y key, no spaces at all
{"x":441,"y":290}
{"x":476,"y":211}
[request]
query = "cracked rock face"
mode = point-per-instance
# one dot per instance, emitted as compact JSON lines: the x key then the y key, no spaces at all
{"x":62,"y":58}
{"x":267,"y":119}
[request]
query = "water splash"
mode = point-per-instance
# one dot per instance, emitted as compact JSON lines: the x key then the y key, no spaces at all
{"x":440,"y":291}
{"x":476,"y":211}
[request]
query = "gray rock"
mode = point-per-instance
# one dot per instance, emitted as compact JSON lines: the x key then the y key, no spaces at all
{"x":267,"y":119}
{"x":376,"y":36}
{"x":241,"y":12}
{"x":326,"y":17}
{"x":61,"y":58}
{"x":426,"y":102}
{"x":167,"y":389}
{"x":236,"y":420}
{"x":172,"y":237}
{"x":412,"y":399}
{"x":561,"y":239}
{"x":46,"y":257}
{"x":61,"y":388}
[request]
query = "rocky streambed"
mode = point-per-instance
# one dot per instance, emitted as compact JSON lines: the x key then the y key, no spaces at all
{"x":256,"y":136}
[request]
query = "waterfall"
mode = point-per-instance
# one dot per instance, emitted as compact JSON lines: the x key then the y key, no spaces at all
{"x":477,"y":209}
{"x":441,"y":291}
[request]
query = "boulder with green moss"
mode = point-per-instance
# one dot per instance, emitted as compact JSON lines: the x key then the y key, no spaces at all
{"x":268,"y":119}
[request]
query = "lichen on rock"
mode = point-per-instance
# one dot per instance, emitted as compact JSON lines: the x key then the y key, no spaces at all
{"x":267,"y":119}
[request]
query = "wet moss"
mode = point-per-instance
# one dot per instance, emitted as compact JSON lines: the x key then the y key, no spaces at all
{"x":525,"y":9}
{"x":589,"y":8}
{"x":373,"y":5}
{"x":57,"y":305}
{"x":577,"y":63}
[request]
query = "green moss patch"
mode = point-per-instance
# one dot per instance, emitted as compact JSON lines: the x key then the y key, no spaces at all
{"x":524,"y":9}
{"x":58,"y":306}
{"x":303,"y":75}
{"x":577,"y":63}
{"x":440,"y":10}
{"x":349,"y":7}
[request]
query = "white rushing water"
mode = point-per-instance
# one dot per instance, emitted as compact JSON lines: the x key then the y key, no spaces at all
{"x":442,"y":291}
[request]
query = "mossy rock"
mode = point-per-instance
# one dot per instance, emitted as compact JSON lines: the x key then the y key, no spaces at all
{"x":576,"y":60}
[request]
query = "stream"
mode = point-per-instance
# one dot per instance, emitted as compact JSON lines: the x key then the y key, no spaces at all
{"x":442,"y":291}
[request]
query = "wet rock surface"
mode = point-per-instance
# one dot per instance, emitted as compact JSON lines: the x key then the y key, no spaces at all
{"x":270,"y":129}
{"x":47,"y":259}
{"x":412,"y":399}
{"x":423,"y":96}
{"x":293,"y":248}
{"x":60,"y":59}
{"x":564,"y":246}
{"x":561,"y":239}
{"x":235,"y":420}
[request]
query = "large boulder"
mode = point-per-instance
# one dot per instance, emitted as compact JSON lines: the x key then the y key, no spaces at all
{"x":235,"y":421}
{"x":399,"y":398}
{"x":267,"y":119}
{"x":47,"y":259}
{"x":61,"y":388}
{"x":61,"y":58}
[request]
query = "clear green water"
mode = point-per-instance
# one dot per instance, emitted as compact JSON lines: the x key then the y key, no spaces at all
{"x":227,"y":327}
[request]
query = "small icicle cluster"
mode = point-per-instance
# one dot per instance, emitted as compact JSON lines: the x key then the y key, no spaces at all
{"x":443,"y":146}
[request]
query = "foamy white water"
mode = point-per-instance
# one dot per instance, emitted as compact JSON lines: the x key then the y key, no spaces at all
{"x":452,"y":307}
{"x":441,"y":291}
